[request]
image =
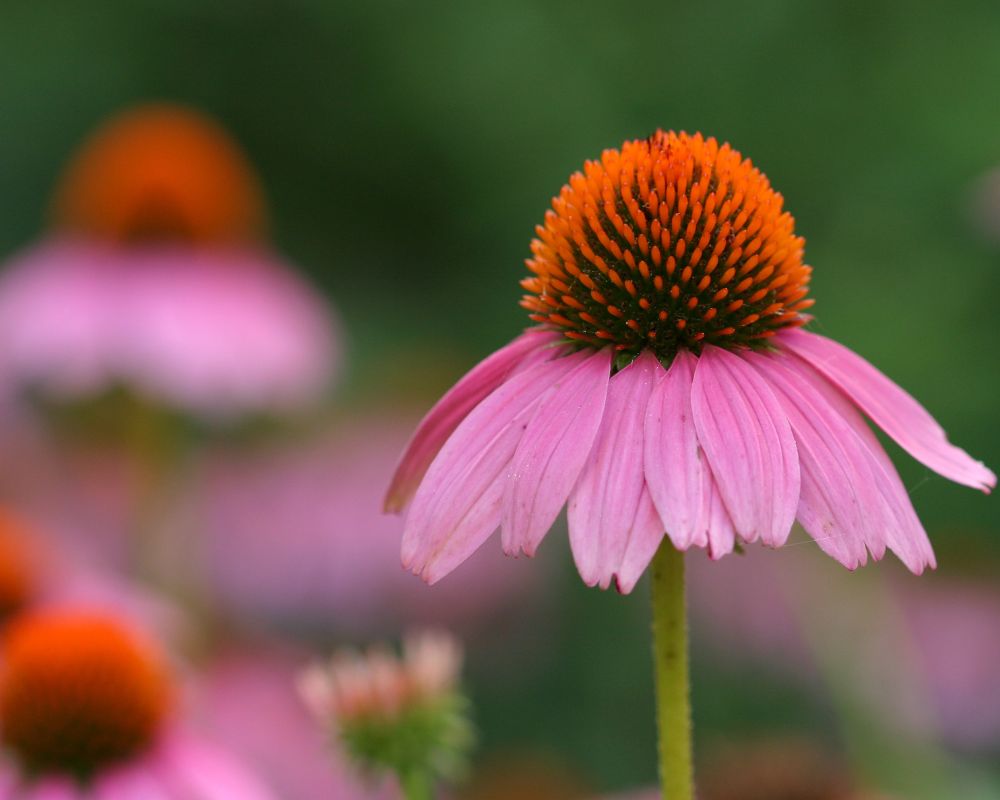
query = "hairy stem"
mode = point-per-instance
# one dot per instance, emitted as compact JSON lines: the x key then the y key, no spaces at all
{"x":670,"y":655}
{"x":416,"y":784}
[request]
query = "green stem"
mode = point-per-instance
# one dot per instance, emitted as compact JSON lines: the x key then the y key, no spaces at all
{"x":670,"y":652}
{"x":416,"y":785}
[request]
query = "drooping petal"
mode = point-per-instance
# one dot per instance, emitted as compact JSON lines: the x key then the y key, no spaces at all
{"x":720,"y":531}
{"x":458,"y":503}
{"x":749,"y":445}
{"x":647,"y":533}
{"x":890,"y":407}
{"x":552,"y":452}
{"x":605,"y":501}
{"x":904,"y":534}
{"x":674,"y":463}
{"x":838,"y":504}
{"x":441,"y":421}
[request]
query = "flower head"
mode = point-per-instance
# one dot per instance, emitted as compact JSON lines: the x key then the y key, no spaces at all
{"x":402,"y":714}
{"x":157,"y":275}
{"x":672,"y":242}
{"x":78,"y":693}
{"x":668,"y":388}
{"x":160,"y":173}
{"x":88,"y":711}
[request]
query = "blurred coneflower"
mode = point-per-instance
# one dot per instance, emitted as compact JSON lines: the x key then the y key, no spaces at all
{"x":156,"y":275}
{"x":401,"y":715}
{"x":671,"y":398}
{"x":88,"y":710}
{"x":315,"y":555}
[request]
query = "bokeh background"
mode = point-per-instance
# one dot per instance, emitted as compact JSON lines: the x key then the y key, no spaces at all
{"x":407,"y":151}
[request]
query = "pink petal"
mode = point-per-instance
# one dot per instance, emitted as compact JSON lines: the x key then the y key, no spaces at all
{"x":46,"y":789}
{"x":441,"y":421}
{"x":458,"y":504}
{"x":552,"y":452}
{"x":195,"y":770}
{"x":720,"y":531}
{"x":173,"y":321}
{"x":749,"y":445}
{"x":904,"y":532}
{"x":838,"y":504}
{"x":58,"y":316}
{"x":647,"y":533}
{"x":604,"y":505}
{"x":675,"y":467}
{"x":9,"y":789}
{"x":131,"y":782}
{"x":889,"y":407}
{"x":221,"y":330}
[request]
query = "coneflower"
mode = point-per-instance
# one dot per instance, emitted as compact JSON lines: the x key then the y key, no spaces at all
{"x":156,"y":274}
{"x":402,"y":715}
{"x":670,"y":397}
{"x":88,"y":710}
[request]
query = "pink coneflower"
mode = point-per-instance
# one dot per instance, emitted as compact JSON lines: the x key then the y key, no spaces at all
{"x":669,"y":387}
{"x":315,"y":554}
{"x":380,"y":684}
{"x":668,"y":391}
{"x":156,"y":275}
{"x":87,"y":710}
{"x":397,"y":714}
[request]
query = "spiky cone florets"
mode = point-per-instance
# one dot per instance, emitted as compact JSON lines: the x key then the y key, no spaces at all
{"x":673,"y":241}
{"x":78,"y":692}
{"x":404,"y":715}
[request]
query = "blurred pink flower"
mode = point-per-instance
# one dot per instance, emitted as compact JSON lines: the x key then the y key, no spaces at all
{"x":248,"y":700}
{"x":89,"y":713}
{"x":378,"y":683}
{"x":294,"y":535}
{"x":80,"y":495}
{"x":156,"y":277}
{"x":400,"y":715}
{"x":218,"y":331}
{"x":923,"y":656}
{"x":954,"y":626}
{"x":182,"y":767}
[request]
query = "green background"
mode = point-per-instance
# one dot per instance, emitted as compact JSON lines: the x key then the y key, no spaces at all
{"x":408,"y":150}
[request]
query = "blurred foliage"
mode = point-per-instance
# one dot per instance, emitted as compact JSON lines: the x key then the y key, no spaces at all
{"x":408,"y":150}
